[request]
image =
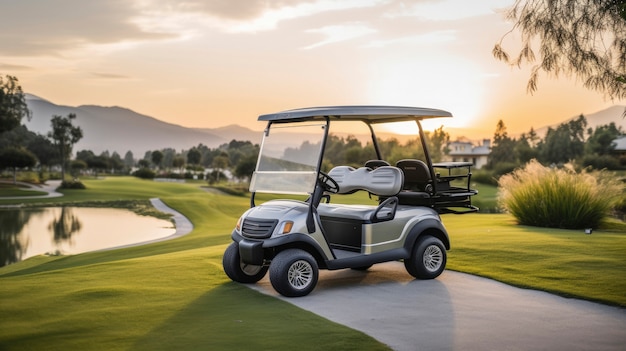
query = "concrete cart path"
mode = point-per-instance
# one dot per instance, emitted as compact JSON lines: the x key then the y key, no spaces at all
{"x":458,"y":311}
{"x":50,"y":187}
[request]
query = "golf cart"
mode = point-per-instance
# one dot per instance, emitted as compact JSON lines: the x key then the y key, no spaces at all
{"x":293,"y":238}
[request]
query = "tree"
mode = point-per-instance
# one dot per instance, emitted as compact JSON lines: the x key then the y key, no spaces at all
{"x":600,"y":140}
{"x":220,"y":162}
{"x":14,"y":157}
{"x":437,"y":143}
{"x":44,"y":150}
{"x":64,"y":135}
{"x":156,"y":158}
{"x":565,"y":143}
{"x":581,"y":38}
{"x":245,"y":167}
{"x":12,"y":104}
{"x":129,"y":159}
{"x":116,"y":162}
{"x":98,"y":163}
{"x":194,"y":156}
{"x":178,"y":162}
{"x":503,"y":146}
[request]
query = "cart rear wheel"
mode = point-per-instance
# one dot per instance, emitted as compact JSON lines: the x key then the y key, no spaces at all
{"x":428,"y":259}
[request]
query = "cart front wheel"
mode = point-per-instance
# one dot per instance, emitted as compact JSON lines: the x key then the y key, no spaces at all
{"x":294,"y":273}
{"x":239,"y":271}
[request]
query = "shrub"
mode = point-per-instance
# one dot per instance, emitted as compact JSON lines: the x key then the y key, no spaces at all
{"x":559,"y":198}
{"x":601,"y":162}
{"x":72,"y":184}
{"x":144,"y":173}
{"x":484,"y":176}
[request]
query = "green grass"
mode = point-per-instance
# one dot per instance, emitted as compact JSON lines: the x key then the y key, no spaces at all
{"x":566,"y":262}
{"x":9,"y":190}
{"x":163,"y":296}
{"x":174,"y":294}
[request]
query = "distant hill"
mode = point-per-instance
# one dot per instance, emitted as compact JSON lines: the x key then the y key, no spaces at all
{"x":120,"y":129}
{"x":613,"y":114}
{"x":235,"y":132}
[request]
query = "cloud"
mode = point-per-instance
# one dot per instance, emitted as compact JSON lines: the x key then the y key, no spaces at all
{"x":435,"y":37}
{"x":337,"y":33}
{"x":10,"y":67}
{"x":38,"y":27}
{"x":56,"y":28}
{"x":447,"y":10}
{"x":109,"y":75}
{"x":262,"y":15}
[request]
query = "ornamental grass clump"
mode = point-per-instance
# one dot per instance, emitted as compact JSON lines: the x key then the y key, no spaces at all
{"x":559,"y":198}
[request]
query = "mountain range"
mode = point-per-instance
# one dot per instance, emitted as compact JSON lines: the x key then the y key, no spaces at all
{"x":120,"y":129}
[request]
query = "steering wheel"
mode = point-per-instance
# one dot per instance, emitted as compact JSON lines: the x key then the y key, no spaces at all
{"x":327,"y":183}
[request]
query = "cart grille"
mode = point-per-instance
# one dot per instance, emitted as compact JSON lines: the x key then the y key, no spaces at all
{"x":258,"y":228}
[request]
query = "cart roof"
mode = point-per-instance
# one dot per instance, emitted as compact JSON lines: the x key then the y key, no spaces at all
{"x":355,"y":113}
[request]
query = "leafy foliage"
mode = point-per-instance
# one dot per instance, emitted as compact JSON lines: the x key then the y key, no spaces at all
{"x":12,"y":104}
{"x":65,"y":134}
{"x":581,"y":38}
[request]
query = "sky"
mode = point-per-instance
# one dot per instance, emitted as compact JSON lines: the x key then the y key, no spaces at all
{"x":213,"y":63}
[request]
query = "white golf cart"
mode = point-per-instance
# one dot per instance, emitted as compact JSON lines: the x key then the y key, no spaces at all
{"x":293,"y":238}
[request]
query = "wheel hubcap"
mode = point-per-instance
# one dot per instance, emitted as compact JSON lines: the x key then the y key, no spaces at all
{"x":300,"y":274}
{"x":433,"y":258}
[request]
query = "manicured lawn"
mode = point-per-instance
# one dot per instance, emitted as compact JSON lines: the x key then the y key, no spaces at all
{"x":174,"y":294}
{"x":7,"y":189}
{"x":163,"y":296}
{"x":567,"y":262}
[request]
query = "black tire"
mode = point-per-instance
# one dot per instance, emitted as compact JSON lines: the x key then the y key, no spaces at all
{"x":239,"y":271}
{"x":428,"y":259}
{"x":294,"y":273}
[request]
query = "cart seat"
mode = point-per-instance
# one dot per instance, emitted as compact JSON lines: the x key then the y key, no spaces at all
{"x":382,"y":181}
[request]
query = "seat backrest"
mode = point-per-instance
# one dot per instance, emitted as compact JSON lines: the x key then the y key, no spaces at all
{"x":373,"y":164}
{"x":382,"y":181}
{"x":416,"y":175}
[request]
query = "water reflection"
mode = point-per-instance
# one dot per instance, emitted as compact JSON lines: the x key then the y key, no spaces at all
{"x":69,"y":230}
{"x":64,"y":226}
{"x":11,"y":224}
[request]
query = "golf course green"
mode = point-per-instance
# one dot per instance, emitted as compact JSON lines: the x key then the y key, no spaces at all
{"x":174,"y":294}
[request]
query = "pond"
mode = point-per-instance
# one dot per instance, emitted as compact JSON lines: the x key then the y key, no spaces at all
{"x":29,"y":232}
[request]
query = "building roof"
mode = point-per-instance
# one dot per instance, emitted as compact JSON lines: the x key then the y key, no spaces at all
{"x":471,"y":150}
{"x":620,"y":143}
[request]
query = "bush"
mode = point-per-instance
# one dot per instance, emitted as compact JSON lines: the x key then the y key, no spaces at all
{"x":484,"y":176}
{"x":559,"y":198}
{"x":72,"y":184}
{"x":144,"y":173}
{"x":601,"y":162}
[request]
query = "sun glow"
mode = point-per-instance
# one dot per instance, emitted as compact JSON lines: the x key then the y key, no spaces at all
{"x":449,"y":84}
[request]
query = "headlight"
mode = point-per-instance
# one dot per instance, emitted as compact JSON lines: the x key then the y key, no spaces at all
{"x":238,"y":226}
{"x":285,"y":227}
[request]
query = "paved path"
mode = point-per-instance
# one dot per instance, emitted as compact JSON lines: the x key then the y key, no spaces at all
{"x":50,"y":187}
{"x":458,"y":311}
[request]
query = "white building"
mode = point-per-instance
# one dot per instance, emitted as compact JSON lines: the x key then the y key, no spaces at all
{"x":466,"y":151}
{"x":620,"y":145}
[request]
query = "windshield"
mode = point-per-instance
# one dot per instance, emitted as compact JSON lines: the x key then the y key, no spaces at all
{"x":288,"y":159}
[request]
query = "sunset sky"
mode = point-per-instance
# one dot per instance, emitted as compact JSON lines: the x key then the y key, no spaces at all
{"x":219,"y":62}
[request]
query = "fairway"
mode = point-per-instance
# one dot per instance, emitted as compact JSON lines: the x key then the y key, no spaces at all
{"x":174,"y":294}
